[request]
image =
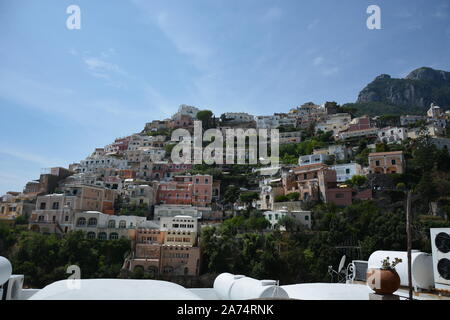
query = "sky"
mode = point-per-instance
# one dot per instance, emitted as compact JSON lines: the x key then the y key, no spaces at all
{"x":65,"y":92}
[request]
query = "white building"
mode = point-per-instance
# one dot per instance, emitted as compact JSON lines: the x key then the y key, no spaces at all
{"x":275,"y":121}
{"x":140,"y":194}
{"x":346,"y":171}
{"x":185,"y":110}
{"x":303,"y":217}
{"x":312,"y":159}
{"x":441,"y":143}
{"x":335,"y":122}
{"x":434,"y":111}
{"x":431,"y":129}
{"x":290,"y":137}
{"x":179,"y":223}
{"x":137,"y":141}
{"x":238,"y":117}
{"x":102,"y":226}
{"x":410,"y":119}
{"x":172,"y":210}
{"x":358,"y":133}
{"x":392,"y":134}
{"x":340,"y":152}
{"x":92,"y":164}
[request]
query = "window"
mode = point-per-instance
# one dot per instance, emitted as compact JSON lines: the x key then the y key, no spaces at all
{"x":122,"y":224}
{"x":55,"y":206}
{"x":111,"y":223}
{"x":91,"y":235}
{"x":347,"y":171}
{"x":102,"y":236}
{"x":41,"y":218}
{"x":377,"y":162}
{"x":66,"y":218}
{"x":42,"y":206}
{"x":113,"y":236}
{"x":54,"y":218}
{"x":92,"y":222}
{"x":307,"y":218}
{"x":393,"y":161}
{"x":81,"y":222}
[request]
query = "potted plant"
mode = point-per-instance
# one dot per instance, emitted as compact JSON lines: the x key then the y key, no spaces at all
{"x":384,"y":280}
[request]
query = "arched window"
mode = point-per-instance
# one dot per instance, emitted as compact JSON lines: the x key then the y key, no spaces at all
{"x":122,"y":224}
{"x":168,"y":269}
{"x":92,"y":222}
{"x":111,"y":223}
{"x":138,"y":268}
{"x":91,"y":235}
{"x":113,"y":236}
{"x":81,"y":222}
{"x":102,"y":236}
{"x":153,"y":271}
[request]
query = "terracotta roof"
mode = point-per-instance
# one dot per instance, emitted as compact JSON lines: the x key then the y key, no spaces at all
{"x":310,"y":166}
{"x":385,"y":153}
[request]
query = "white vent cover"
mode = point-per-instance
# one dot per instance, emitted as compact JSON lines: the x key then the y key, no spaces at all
{"x":440,"y":245}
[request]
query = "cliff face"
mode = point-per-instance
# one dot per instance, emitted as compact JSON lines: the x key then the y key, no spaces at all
{"x":419,"y":89}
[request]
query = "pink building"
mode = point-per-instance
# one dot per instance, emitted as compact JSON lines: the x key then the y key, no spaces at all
{"x":188,"y":190}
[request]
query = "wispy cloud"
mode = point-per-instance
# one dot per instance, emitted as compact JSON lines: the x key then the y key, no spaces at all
{"x":318,"y":61}
{"x":102,"y":69}
{"x":30,"y":157}
{"x":442,"y":11}
{"x":272,"y":14}
{"x":330,"y":71}
{"x":183,"y":41}
{"x":98,"y":65}
{"x":313,"y":24}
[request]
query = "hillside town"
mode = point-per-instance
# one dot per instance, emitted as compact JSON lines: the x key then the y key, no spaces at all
{"x":132,"y":189}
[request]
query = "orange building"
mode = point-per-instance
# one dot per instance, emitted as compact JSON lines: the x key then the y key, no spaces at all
{"x":386,"y":162}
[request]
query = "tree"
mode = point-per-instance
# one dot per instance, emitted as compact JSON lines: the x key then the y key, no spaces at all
{"x":357,"y":180}
{"x":205,"y":116}
{"x":293,"y":196}
{"x":231,"y":194}
{"x":249,"y":197}
{"x":281,"y":198}
{"x":289,"y":223}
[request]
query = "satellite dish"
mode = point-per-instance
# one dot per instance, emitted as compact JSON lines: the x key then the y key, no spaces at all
{"x":341,"y":264}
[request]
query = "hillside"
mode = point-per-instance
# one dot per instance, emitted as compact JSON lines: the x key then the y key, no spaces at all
{"x":412,"y":94}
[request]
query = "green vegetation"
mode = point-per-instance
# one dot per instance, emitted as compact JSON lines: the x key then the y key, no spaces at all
{"x":289,"y":153}
{"x":299,"y":255}
{"x":379,"y":108}
{"x":45,"y":258}
{"x":281,"y":198}
{"x":207,"y":119}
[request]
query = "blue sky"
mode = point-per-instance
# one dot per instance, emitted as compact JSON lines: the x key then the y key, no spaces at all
{"x":64,"y":92}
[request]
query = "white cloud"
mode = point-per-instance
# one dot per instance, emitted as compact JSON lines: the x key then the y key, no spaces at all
{"x":312,"y":25}
{"x":330,"y":71}
{"x":318,"y":61}
{"x":30,"y":157}
{"x":183,"y":40}
{"x":272,"y":14}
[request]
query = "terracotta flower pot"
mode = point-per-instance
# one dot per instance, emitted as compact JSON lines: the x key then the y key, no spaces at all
{"x":383,"y":281}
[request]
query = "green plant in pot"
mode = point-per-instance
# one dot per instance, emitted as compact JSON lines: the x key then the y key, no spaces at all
{"x":384,"y":280}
